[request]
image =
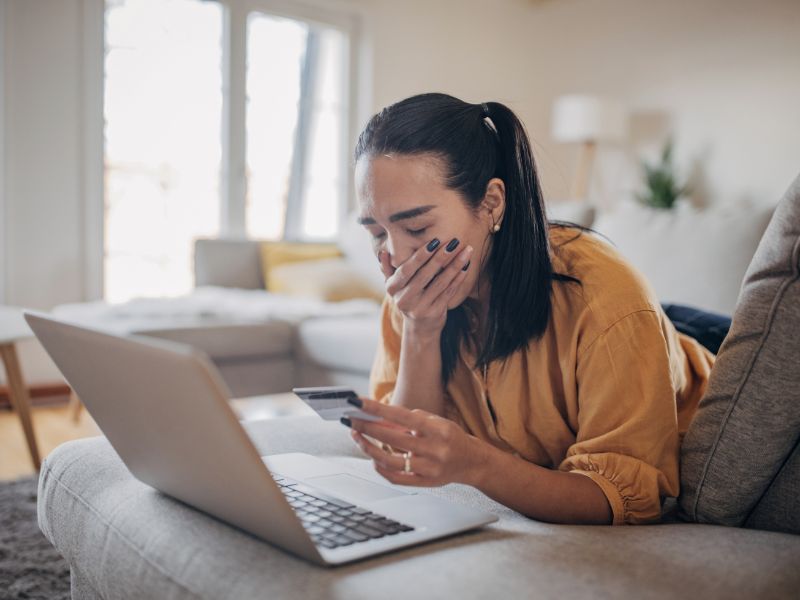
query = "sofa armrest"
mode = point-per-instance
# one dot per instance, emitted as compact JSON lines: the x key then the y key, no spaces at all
{"x":228,"y":263}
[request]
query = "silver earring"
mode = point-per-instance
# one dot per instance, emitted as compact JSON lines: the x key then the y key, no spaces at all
{"x":496,"y":228}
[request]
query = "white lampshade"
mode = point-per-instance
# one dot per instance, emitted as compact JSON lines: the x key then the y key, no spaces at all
{"x":579,"y":118}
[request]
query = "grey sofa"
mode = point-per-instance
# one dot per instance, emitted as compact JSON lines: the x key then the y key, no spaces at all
{"x":123,"y":539}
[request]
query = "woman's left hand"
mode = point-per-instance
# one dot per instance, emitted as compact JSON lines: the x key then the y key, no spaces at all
{"x":441,"y":452}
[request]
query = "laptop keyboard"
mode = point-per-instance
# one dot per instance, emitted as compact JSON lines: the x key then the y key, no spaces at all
{"x":332,"y":522}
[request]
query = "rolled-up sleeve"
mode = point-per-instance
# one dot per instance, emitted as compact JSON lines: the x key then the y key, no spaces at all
{"x":627,"y":437}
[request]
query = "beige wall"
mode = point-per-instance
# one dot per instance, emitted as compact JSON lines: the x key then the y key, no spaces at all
{"x":722,"y":75}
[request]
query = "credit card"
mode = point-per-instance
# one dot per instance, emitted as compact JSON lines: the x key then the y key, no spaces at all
{"x":331,"y":403}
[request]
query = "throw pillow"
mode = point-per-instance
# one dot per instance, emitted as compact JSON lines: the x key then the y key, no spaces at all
{"x":275,"y":254}
{"x":330,"y":279}
{"x":707,"y":328}
{"x":739,"y":459}
{"x":778,"y":508}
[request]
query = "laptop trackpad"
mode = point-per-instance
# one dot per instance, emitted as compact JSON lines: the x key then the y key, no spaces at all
{"x":352,"y":487}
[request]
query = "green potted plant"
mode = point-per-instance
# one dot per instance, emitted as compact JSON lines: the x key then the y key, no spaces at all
{"x":662,"y":189}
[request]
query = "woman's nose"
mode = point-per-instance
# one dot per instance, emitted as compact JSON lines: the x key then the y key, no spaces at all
{"x":398,"y":253}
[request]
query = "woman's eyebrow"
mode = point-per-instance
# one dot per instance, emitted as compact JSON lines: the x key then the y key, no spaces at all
{"x":405,"y":214}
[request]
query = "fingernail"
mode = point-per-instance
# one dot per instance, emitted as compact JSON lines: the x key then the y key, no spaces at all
{"x":433,"y":245}
{"x":452,"y":245}
{"x":466,"y":266}
{"x":345,"y":421}
{"x":355,"y":401}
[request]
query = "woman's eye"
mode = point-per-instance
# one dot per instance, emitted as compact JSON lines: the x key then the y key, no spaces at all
{"x":379,"y":236}
{"x":417,"y":231}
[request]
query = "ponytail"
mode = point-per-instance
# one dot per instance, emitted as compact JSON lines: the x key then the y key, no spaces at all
{"x":520,"y":268}
{"x":477,"y":142}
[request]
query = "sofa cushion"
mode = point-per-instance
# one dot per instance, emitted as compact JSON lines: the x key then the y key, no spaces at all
{"x":230,"y":341}
{"x":738,"y":446}
{"x":778,"y":508}
{"x":228,"y":263}
{"x":692,"y":257}
{"x":344,"y":343}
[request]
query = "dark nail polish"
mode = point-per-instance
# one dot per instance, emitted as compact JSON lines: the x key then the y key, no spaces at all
{"x":452,"y":245}
{"x":355,"y":401}
{"x":433,"y":245}
{"x":466,"y":266}
{"x":345,"y":421}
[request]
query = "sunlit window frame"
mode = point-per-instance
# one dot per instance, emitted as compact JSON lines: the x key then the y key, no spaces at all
{"x":232,"y":177}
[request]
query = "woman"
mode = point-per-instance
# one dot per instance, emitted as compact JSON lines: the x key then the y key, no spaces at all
{"x":522,"y":357}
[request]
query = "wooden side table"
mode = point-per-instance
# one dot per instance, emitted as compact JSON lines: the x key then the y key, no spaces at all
{"x":12,"y":329}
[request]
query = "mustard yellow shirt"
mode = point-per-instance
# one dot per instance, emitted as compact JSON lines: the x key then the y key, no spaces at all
{"x":608,"y":391}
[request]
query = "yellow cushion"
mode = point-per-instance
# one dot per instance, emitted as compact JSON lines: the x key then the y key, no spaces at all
{"x":329,"y":279}
{"x":275,"y":254}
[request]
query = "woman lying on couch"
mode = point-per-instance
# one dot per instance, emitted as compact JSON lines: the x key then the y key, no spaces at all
{"x":523,"y":357}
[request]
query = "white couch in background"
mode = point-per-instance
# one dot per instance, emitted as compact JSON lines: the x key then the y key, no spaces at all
{"x":261,"y":342}
{"x":694,"y":257}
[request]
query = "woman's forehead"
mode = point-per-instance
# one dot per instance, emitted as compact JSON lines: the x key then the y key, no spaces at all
{"x":388,"y":184}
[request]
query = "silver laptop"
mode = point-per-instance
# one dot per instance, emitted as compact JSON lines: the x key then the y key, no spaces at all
{"x":164,"y":409}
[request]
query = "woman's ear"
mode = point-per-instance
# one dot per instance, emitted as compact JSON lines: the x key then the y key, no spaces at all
{"x":494,"y":201}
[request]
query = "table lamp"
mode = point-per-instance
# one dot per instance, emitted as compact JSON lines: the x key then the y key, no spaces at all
{"x":587,"y":120}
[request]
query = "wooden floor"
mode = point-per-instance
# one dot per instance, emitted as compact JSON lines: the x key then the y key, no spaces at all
{"x":54,"y":426}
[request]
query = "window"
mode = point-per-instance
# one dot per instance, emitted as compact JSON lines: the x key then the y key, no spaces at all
{"x":163,"y":113}
{"x":172,"y":123}
{"x":295,"y":116}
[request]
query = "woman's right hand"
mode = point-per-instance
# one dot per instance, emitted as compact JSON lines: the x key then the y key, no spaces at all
{"x":422,"y":286}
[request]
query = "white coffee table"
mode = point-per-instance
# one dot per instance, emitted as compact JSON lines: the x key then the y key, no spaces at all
{"x":13,"y":328}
